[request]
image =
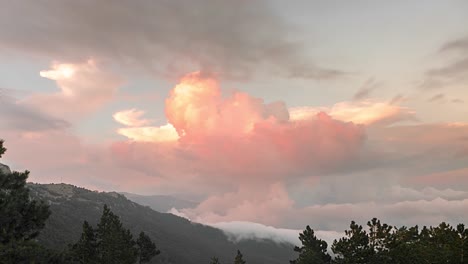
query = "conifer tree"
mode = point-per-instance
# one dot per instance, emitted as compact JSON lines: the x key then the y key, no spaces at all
{"x":85,"y":250}
{"x":115,"y":243}
{"x":146,"y":248}
{"x":21,"y":219}
{"x":354,"y":247}
{"x":313,"y":250}
{"x":111,"y":243}
{"x":239,"y":258}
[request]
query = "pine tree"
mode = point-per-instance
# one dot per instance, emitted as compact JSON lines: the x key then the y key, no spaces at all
{"x":313,"y":250}
{"x":354,"y":248}
{"x":110,"y":243}
{"x":239,"y":258}
{"x":115,"y":243}
{"x":146,"y":248}
{"x":85,"y":250}
{"x":21,"y":220}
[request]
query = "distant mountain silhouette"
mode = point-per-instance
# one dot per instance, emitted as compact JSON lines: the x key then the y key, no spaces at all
{"x":180,"y":241}
{"x":160,"y":203}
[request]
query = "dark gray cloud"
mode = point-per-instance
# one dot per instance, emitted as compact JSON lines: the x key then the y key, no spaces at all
{"x":232,"y":38}
{"x":20,"y":117}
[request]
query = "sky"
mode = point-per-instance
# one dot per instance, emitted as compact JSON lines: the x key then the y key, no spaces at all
{"x":273,"y":115}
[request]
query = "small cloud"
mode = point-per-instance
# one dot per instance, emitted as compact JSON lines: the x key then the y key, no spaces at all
{"x":456,"y":45}
{"x":131,"y":118}
{"x":367,"y":88}
{"x":437,"y":98}
{"x":397,"y":99}
{"x":366,"y":112}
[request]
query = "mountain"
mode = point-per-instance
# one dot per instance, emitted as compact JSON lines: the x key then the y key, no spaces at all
{"x":160,"y":203}
{"x":180,"y":241}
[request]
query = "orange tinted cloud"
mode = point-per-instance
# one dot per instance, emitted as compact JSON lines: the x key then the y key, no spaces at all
{"x":365,"y":112}
{"x":131,"y":117}
{"x":240,"y":136}
{"x":84,"y":88}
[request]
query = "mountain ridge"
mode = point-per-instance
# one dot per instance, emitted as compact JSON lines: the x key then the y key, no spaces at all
{"x":180,"y":240}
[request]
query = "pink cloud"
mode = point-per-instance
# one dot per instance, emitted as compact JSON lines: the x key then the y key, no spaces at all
{"x":84,"y":88}
{"x":264,"y":204}
{"x":366,"y":112}
{"x":131,"y":117}
{"x":241,"y":137}
{"x":445,"y":178}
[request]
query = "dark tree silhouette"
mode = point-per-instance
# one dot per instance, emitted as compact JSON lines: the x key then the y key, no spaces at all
{"x":239,"y":258}
{"x":313,"y":250}
{"x":111,"y":243}
{"x":21,"y":220}
{"x":146,"y":248}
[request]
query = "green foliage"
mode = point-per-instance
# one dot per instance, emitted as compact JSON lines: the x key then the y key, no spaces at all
{"x":239,"y":258}
{"x":115,"y":243}
{"x":29,"y":252}
{"x":146,"y":248}
{"x":21,"y":219}
{"x":111,"y":243}
{"x":354,"y":248}
{"x":313,"y":250}
{"x":386,"y":244}
{"x":85,"y":250}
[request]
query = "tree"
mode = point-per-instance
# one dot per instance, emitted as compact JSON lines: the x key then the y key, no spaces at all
{"x":215,"y":260}
{"x":380,"y":236}
{"x":146,"y":248}
{"x":313,"y":250}
{"x":21,"y":219}
{"x":239,"y":258}
{"x":354,"y":248}
{"x":115,"y":243}
{"x":85,"y":250}
{"x":462,"y":243}
{"x":2,"y":148}
{"x":110,"y":243}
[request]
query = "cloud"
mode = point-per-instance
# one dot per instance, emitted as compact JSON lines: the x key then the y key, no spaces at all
{"x":240,"y":136}
{"x":446,"y":178}
{"x":165,"y":133}
{"x":453,"y":72}
{"x":131,"y":117}
{"x":239,"y":230}
{"x":437,"y":98}
{"x":233,"y":38}
{"x":367,"y":112}
{"x":455,"y":45}
{"x":84,"y":88}
{"x":367,"y":88}
{"x":19,"y":117}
